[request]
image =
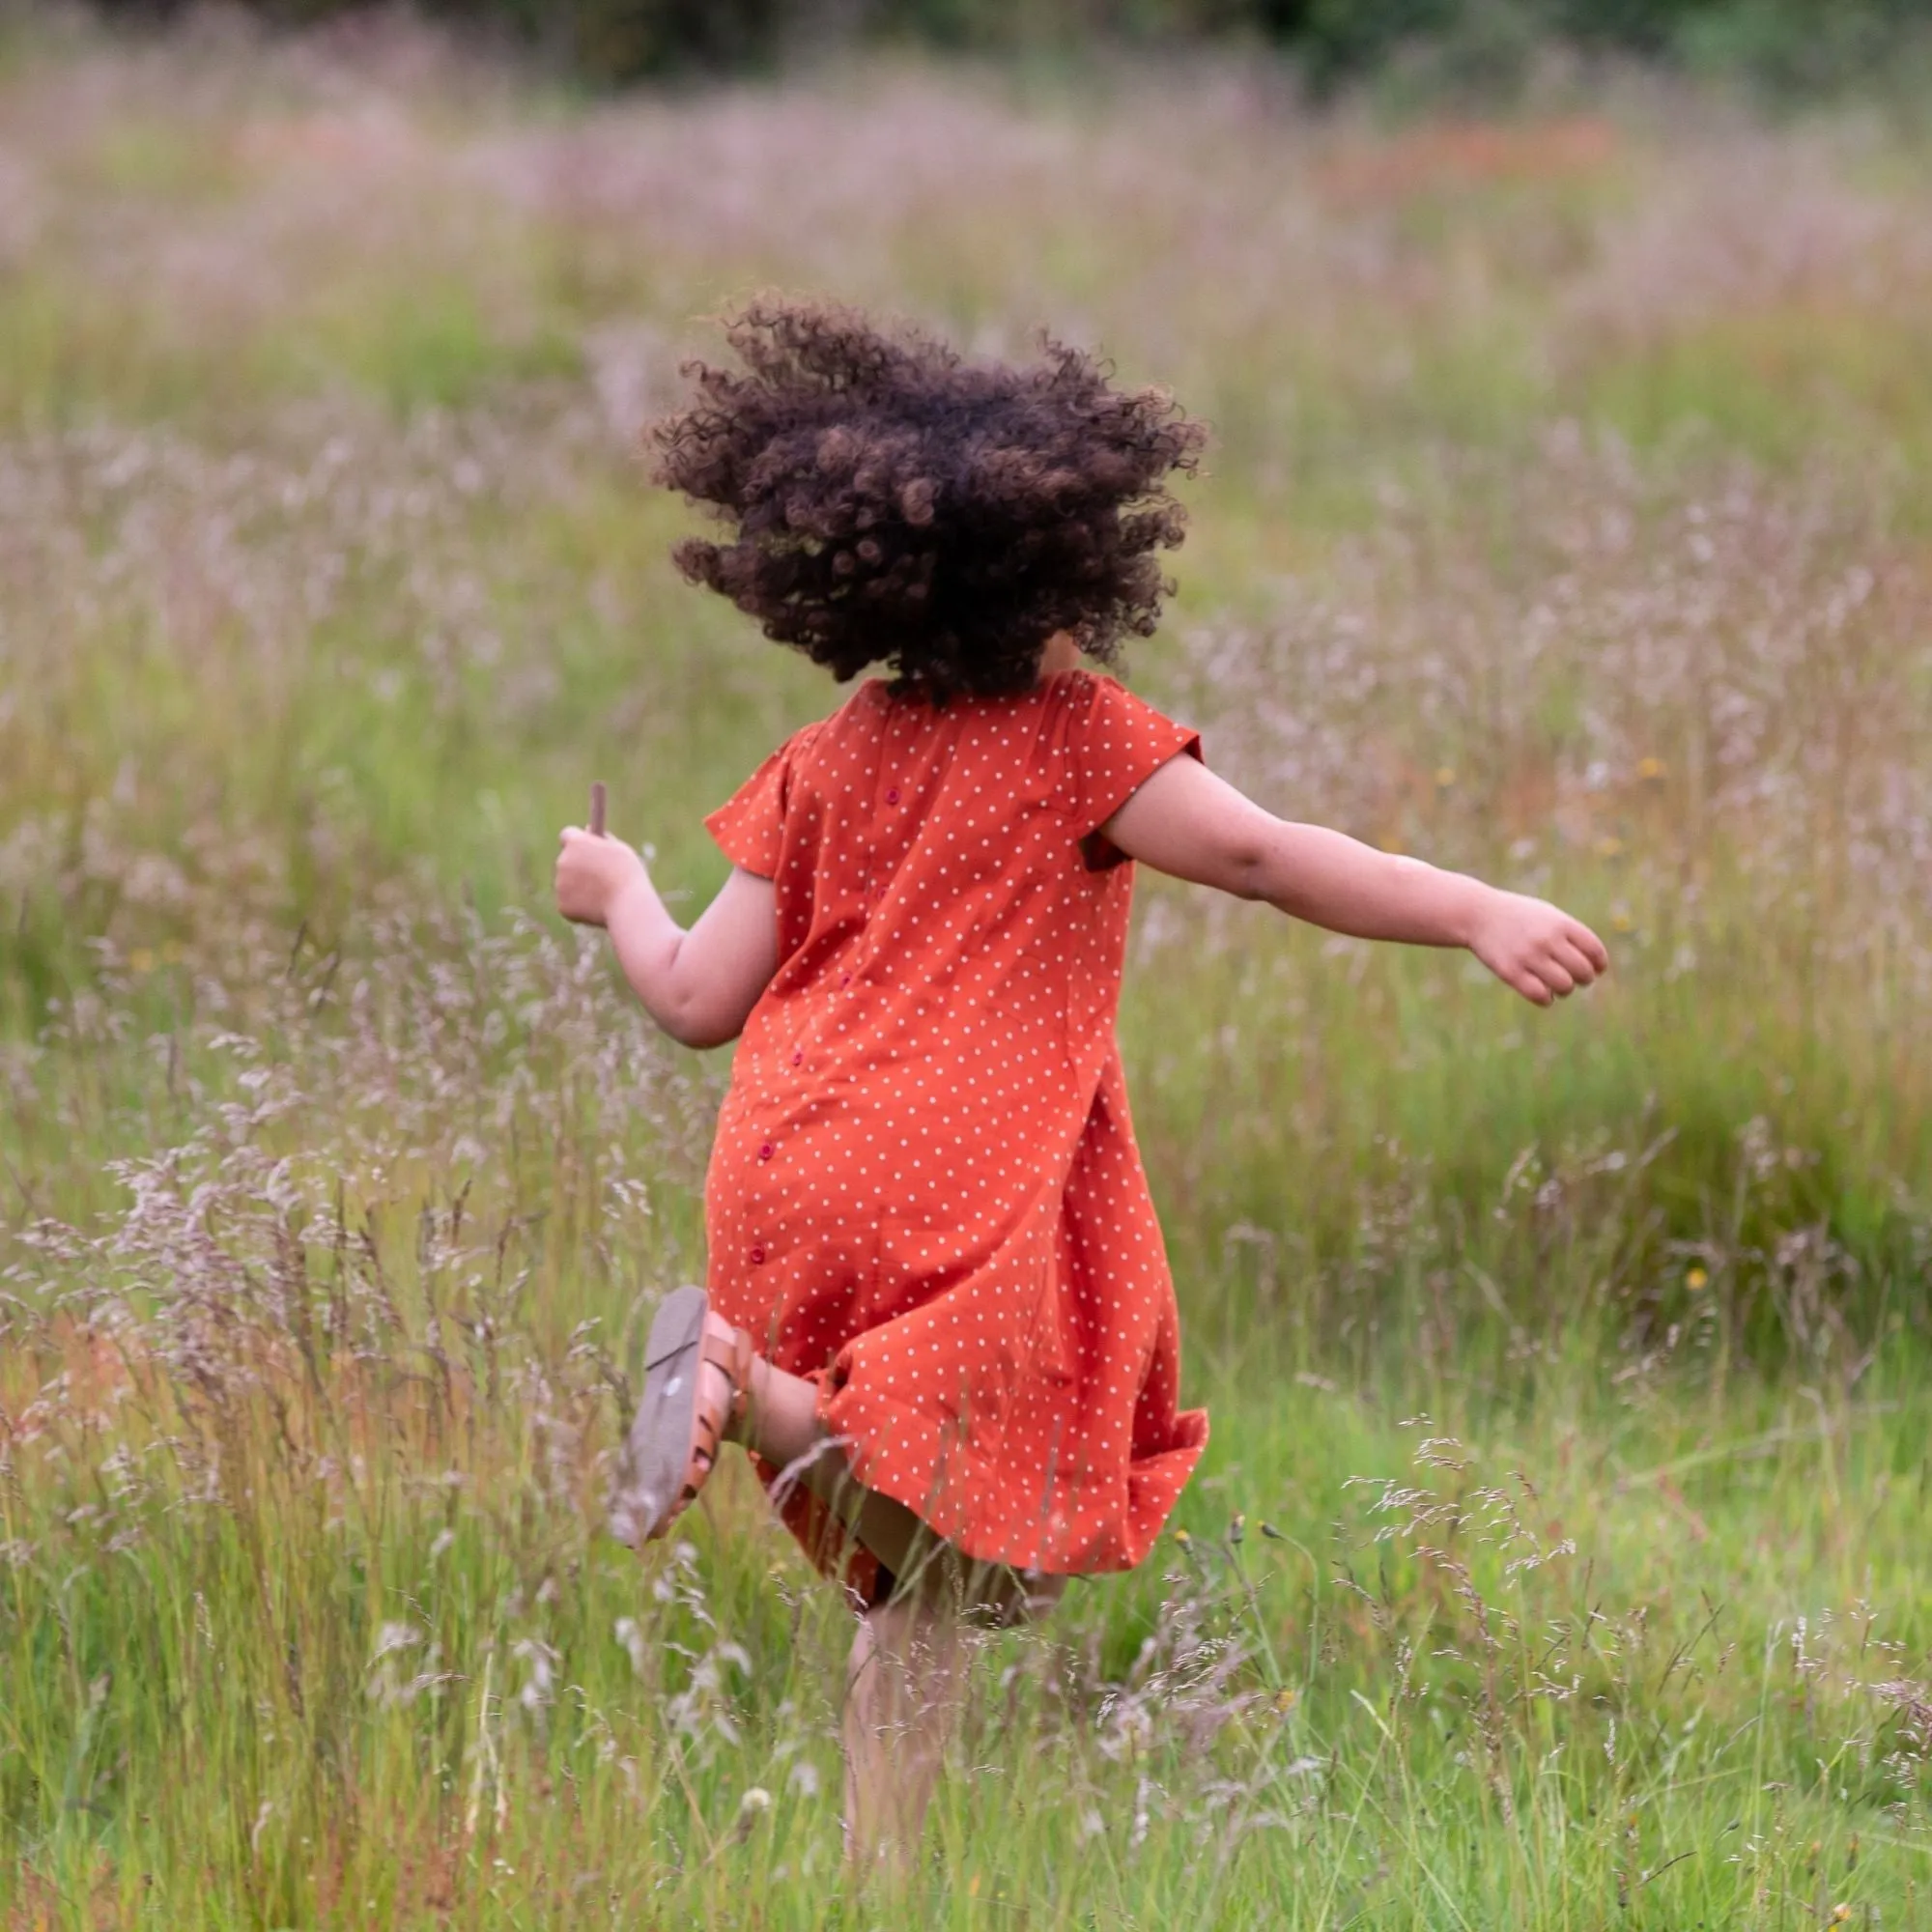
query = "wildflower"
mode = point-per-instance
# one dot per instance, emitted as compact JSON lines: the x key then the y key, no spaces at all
{"x":141,"y":960}
{"x":629,"y":1633}
{"x":1621,"y":920}
{"x":1237,"y":1530}
{"x":1182,"y":1537}
{"x":1445,"y":777}
{"x":1608,"y":847}
{"x":1839,"y":1914}
{"x":1272,"y":1534}
{"x":1651,"y":770}
{"x":1286,"y":1699}
{"x":754,"y":1804}
{"x":1695,"y":1279}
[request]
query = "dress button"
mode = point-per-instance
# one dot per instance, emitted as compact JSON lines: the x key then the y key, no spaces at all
{"x":757,"y":1257}
{"x":798,"y":1059}
{"x":766,"y":1151}
{"x":892,"y":796}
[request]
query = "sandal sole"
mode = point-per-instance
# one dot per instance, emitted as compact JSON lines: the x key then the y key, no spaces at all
{"x":657,"y":1452}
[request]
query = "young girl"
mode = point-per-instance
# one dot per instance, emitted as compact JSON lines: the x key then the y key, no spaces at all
{"x":938,"y":1312}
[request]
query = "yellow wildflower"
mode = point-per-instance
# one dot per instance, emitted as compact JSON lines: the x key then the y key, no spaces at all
{"x":1445,"y":777}
{"x":1651,"y":770}
{"x":1695,"y":1279}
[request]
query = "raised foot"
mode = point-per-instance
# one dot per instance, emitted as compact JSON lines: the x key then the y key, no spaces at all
{"x":697,"y":1374}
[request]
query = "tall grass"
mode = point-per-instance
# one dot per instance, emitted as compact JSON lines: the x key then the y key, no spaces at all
{"x":1558,"y":1557}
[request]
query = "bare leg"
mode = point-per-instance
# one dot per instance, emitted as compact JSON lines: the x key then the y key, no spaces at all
{"x":782,"y":1424}
{"x":903,"y":1686}
{"x":780,"y":1420}
{"x":907,"y":1675}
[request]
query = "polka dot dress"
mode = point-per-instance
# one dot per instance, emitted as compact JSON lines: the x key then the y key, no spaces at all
{"x":925,"y":1192}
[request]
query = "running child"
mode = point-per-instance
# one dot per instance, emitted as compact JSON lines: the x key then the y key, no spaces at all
{"x":938,"y":1313}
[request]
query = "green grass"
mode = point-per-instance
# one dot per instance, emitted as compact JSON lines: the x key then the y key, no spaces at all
{"x":1565,"y":521}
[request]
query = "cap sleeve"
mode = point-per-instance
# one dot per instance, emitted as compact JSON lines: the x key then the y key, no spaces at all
{"x":749,"y":827}
{"x":1117,"y":743}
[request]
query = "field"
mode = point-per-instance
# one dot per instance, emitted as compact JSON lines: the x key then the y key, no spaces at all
{"x":1560,"y":1556}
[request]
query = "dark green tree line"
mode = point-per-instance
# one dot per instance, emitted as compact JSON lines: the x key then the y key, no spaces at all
{"x":1789,"y":46}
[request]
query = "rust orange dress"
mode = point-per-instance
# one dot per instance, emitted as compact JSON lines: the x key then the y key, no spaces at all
{"x":924,"y":1191}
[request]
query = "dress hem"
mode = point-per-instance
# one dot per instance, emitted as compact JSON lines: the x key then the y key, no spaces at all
{"x":931,"y":1473}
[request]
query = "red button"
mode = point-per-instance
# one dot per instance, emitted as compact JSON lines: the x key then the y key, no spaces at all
{"x":798,"y":1059}
{"x":892,"y":796}
{"x":844,"y":979}
{"x":766,"y":1151}
{"x":757,"y":1257}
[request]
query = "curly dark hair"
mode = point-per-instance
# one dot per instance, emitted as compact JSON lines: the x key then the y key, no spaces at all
{"x":892,"y":503}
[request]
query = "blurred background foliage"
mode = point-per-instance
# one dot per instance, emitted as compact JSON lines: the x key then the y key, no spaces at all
{"x":1780,"y":47}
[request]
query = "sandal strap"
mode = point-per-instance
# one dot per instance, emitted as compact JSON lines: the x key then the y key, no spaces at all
{"x":732,"y":1353}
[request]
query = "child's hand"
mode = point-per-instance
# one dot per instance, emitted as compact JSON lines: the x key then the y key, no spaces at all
{"x":592,"y":873}
{"x":1535,"y":947}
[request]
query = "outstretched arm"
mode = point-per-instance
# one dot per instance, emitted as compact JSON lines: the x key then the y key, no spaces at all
{"x":699,"y":985}
{"x":1186,"y":821}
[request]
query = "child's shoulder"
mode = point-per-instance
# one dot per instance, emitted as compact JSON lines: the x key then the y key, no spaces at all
{"x":1087,"y":710}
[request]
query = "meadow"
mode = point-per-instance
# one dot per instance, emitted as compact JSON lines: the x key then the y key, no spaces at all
{"x":1559,"y":1559}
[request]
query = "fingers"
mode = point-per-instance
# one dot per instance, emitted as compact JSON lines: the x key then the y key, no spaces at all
{"x":1588,"y":944}
{"x":1553,"y":974}
{"x":1578,"y":964}
{"x":1526,"y":983}
{"x":1551,"y":955}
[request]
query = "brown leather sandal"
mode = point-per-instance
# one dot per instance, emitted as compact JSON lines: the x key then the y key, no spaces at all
{"x":674,"y":1440}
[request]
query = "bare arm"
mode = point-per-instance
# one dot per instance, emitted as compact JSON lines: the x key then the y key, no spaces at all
{"x":699,"y":985}
{"x":1186,"y":821}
